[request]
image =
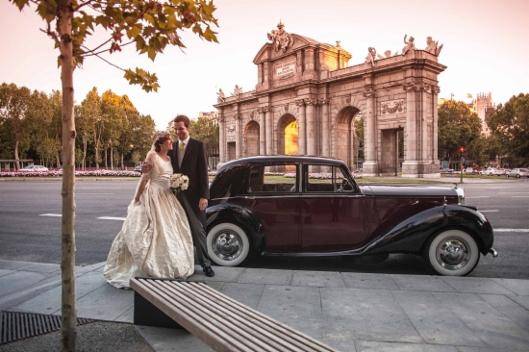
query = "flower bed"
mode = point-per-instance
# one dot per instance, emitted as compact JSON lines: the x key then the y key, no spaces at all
{"x":56,"y":173}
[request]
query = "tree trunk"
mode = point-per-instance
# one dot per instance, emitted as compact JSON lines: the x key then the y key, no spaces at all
{"x":111,"y":157}
{"x":106,"y":157}
{"x":96,"y":156}
{"x":64,"y":27}
{"x":17,"y":162}
{"x":85,"y":147}
{"x":122,"y":164}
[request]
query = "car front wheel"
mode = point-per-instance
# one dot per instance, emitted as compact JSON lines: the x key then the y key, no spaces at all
{"x":228,"y":244}
{"x":453,"y":253}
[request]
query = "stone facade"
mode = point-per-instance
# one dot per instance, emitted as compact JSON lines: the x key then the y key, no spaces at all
{"x":310,"y":84}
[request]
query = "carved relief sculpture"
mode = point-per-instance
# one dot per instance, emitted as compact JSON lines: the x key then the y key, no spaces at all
{"x":410,"y":44}
{"x":392,"y":106}
{"x":432,"y":46}
{"x":371,"y":56}
{"x":281,"y":40}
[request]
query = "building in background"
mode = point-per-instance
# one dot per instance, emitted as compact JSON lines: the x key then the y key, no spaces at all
{"x":307,"y":99}
{"x":484,"y":107}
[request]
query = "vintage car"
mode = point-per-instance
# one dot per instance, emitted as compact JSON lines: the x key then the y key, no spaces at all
{"x":311,"y":206}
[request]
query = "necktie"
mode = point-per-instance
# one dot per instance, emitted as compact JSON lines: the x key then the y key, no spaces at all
{"x":181,"y":151}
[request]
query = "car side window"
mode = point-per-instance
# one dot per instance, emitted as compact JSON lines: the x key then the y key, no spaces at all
{"x":272,"y":179}
{"x":328,"y":179}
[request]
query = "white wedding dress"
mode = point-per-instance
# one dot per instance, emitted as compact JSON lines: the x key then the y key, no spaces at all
{"x":155,"y":240}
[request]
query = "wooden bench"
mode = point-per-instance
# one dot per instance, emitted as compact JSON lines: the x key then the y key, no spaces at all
{"x":218,"y":320}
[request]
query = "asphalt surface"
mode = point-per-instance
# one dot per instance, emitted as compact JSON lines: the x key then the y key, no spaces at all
{"x":30,"y":229}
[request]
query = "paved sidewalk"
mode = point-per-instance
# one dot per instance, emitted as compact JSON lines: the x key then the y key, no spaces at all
{"x":348,"y":311}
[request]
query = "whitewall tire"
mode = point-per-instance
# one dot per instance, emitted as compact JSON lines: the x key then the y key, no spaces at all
{"x":453,"y":253}
{"x":228,"y":244}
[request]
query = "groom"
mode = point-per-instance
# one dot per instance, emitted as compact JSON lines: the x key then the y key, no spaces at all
{"x":189,"y":158}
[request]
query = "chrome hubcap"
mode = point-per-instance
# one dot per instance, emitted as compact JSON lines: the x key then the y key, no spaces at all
{"x":453,"y":253}
{"x":227,"y":245}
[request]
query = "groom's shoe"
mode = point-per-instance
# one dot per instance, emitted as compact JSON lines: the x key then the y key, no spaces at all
{"x":208,"y":270}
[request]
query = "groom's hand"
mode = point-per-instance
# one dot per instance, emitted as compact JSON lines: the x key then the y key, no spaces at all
{"x":203,"y":204}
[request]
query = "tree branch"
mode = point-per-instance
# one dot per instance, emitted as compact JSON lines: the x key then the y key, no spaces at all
{"x":83,"y":4}
{"x":105,"y":60}
{"x":93,"y":53}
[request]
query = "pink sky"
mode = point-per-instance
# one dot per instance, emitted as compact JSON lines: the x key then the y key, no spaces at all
{"x":486,"y":48}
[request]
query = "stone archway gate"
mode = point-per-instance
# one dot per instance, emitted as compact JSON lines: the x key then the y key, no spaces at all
{"x":312,"y":82}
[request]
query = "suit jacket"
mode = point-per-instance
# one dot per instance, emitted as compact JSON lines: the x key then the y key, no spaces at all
{"x":194,"y":165}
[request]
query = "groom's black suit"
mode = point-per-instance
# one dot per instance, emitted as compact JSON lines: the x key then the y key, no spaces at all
{"x":194,"y":166}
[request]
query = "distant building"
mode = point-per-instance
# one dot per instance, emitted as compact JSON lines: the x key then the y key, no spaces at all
{"x":484,"y":107}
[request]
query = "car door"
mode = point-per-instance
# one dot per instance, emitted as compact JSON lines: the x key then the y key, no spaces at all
{"x":331,"y":209}
{"x":275,"y":195}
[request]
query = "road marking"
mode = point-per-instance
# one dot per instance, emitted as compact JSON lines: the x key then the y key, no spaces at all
{"x":51,"y":215}
{"x":111,"y":218}
{"x":474,"y":197}
{"x":512,"y":230}
{"x":489,"y":210}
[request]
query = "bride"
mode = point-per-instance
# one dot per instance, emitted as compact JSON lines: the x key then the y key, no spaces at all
{"x":155,"y":239}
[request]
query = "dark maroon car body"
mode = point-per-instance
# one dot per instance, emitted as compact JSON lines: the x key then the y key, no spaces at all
{"x":349,"y":220}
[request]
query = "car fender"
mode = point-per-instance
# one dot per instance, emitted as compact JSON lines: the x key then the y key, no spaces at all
{"x":238,"y":215}
{"x":414,"y":233}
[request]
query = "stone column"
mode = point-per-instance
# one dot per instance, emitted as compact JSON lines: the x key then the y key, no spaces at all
{"x":435,"y":129}
{"x":238,"y":136}
{"x":311,"y":127}
{"x":302,"y":150}
{"x":222,"y":137}
{"x":262,"y":131}
{"x":410,"y":166}
{"x":269,"y":130}
{"x":325,"y":106}
{"x":370,"y":167}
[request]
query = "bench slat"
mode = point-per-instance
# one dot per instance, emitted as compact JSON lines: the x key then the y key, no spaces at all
{"x":242,"y":322}
{"x":277,"y":326}
{"x":186,"y":319}
{"x":218,"y":319}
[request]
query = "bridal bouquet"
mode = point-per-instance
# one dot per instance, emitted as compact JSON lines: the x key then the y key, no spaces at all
{"x":179,"y":182}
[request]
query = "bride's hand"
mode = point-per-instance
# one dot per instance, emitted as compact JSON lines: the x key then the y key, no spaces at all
{"x":137,"y":201}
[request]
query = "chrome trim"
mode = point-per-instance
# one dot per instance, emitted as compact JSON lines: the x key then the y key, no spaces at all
{"x":460,"y":195}
{"x":493,"y":252}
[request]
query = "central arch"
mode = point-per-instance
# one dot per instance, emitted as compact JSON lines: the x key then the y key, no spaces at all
{"x":287,"y":136}
{"x":345,"y":148}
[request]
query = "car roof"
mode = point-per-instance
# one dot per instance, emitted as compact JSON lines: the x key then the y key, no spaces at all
{"x":264,"y":159}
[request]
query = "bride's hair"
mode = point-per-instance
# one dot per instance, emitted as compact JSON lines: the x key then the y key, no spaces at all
{"x":159,"y":139}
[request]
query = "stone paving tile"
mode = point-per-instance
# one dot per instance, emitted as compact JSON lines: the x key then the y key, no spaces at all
{"x":522,"y":300}
{"x":435,"y":323}
{"x":45,"y":268}
{"x":422,"y":283}
{"x":50,"y":301}
{"x":476,"y":285}
{"x":492,"y":327}
{"x":520,"y":287}
{"x":509,"y":308}
{"x":4,"y":272}
{"x":248,"y":294}
{"x":317,"y":279}
{"x":298,"y":307}
{"x":19,"y":280}
{"x":369,"y":281}
{"x":127,"y":316}
{"x":368,"y":314}
{"x":376,"y":346}
{"x":478,"y":349}
{"x":105,"y":303}
{"x":171,"y":340}
{"x":222,"y":274}
{"x":266,"y":276}
{"x":339,"y":337}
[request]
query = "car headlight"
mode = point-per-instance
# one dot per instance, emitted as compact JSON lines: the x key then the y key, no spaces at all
{"x":460,"y":195}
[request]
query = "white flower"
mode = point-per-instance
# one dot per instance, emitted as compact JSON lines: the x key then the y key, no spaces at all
{"x":179,"y":182}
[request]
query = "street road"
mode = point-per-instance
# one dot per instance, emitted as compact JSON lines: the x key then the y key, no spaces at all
{"x":30,"y":227}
